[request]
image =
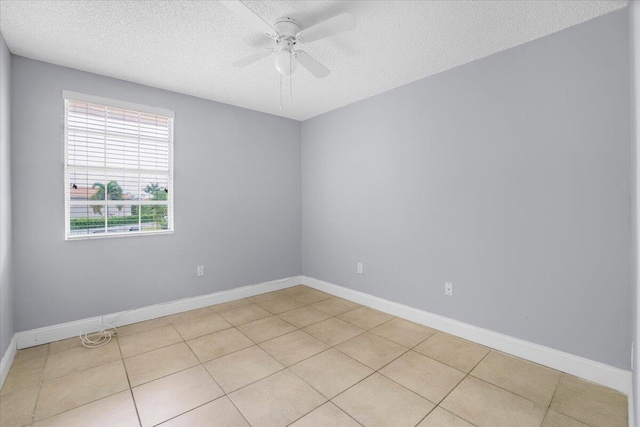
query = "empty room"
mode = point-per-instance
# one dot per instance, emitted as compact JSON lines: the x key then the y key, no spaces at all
{"x":366,"y":213}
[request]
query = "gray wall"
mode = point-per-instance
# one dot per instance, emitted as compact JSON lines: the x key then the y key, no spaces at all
{"x":509,"y":176}
{"x":6,"y":282}
{"x":237,"y":204}
{"x":634,"y":38}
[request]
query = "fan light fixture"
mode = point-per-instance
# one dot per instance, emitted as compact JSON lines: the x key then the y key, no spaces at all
{"x":286,"y":62}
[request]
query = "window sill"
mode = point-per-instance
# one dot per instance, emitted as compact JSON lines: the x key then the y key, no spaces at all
{"x":117,"y":235}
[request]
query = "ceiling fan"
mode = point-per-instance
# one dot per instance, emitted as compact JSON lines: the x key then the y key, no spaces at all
{"x":289,"y":36}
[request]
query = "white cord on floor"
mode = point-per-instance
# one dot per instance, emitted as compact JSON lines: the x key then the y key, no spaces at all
{"x":107,"y":331}
{"x":100,"y":338}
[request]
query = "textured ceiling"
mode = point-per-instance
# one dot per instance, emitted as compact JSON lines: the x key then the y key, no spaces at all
{"x":188,"y":46}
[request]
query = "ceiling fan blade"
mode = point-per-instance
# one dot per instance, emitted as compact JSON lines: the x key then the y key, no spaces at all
{"x":250,"y":16}
{"x":308,"y":62}
{"x":330,"y":27}
{"x":250,"y":59}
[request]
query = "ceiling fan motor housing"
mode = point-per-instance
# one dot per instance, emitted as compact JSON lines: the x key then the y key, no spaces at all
{"x":287,"y":29}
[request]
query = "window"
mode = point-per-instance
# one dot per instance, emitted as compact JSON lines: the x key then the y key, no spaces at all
{"x":118,"y":168}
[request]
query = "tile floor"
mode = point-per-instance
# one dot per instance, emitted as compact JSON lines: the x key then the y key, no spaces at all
{"x":297,"y":357}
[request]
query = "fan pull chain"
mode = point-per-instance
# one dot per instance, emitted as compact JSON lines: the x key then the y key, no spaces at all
{"x":280,"y":91}
{"x":290,"y":75}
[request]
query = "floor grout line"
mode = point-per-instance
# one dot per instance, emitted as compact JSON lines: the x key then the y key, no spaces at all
{"x":35,"y":406}
{"x":42,"y":381}
{"x":562,"y":374}
{"x":190,"y":410}
{"x":284,"y":368}
{"x":135,"y":404}
{"x":306,"y":304}
{"x":437,"y":404}
{"x":122,"y":359}
{"x":287,"y":368}
{"x":238,"y":409}
{"x":225,"y":395}
{"x":457,"y":385}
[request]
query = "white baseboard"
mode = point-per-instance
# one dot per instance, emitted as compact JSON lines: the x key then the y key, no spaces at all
{"x":590,"y":370}
{"x":7,"y":360}
{"x":597,"y":372}
{"x":73,"y":329}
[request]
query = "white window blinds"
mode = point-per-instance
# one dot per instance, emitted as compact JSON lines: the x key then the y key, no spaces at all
{"x":118,"y":168}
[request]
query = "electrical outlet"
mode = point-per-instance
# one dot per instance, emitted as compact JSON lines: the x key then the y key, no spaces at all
{"x":448,"y":289}
{"x":200,"y":270}
{"x":359,"y":268}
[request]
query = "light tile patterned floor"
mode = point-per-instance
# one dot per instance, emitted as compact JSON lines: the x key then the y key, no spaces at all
{"x":297,"y":357}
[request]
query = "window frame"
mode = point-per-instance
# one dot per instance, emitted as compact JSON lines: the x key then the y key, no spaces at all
{"x":138,"y":108}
